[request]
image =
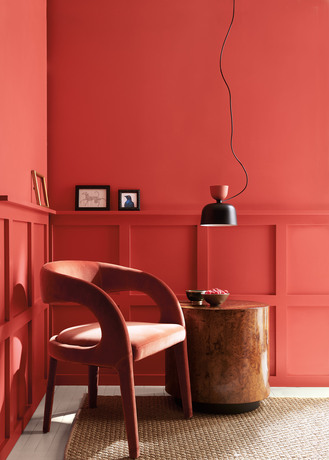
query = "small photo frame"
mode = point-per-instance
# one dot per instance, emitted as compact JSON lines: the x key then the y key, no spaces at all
{"x":92,"y":197}
{"x":129,"y":200}
{"x":40,"y":188}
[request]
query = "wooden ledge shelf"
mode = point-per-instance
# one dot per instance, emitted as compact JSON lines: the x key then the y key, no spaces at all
{"x":23,"y":204}
{"x":165,"y":212}
{"x":127,"y":213}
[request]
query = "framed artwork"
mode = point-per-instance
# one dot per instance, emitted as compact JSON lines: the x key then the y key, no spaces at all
{"x":129,"y":200}
{"x":92,"y":197}
{"x":40,"y":188}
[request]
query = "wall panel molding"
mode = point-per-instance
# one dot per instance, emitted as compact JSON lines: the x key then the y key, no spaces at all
{"x":23,"y":316}
{"x":253,"y":260}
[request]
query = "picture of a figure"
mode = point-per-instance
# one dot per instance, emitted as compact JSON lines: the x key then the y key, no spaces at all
{"x":128,"y":200}
{"x":129,"y":203}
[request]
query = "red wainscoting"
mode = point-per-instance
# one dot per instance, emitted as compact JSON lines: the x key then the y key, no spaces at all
{"x":24,"y":331}
{"x":276,"y":258}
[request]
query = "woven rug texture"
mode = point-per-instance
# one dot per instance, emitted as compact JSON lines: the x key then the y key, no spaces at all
{"x":281,"y":428}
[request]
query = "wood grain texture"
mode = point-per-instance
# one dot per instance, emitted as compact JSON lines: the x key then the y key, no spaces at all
{"x":228,"y":350}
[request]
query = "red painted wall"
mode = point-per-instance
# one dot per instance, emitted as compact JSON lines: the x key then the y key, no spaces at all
{"x":23,"y":87}
{"x":23,"y":226}
{"x":136,"y":100}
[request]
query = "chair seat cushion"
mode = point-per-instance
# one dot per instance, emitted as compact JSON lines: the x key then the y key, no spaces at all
{"x":146,"y":338}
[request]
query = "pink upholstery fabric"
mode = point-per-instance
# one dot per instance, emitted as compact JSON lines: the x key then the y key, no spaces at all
{"x":87,"y":335}
{"x":149,"y":338}
{"x":146,"y":338}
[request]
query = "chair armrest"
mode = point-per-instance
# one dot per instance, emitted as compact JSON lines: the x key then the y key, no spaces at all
{"x":58,"y":287}
{"x":118,"y":278}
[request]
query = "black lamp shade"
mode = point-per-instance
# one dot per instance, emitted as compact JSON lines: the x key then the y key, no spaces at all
{"x":218,"y":214}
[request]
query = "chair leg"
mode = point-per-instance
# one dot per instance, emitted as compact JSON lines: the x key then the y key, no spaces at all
{"x":129,"y":405}
{"x":184,"y":377}
{"x":92,"y":386}
{"x":49,"y":394}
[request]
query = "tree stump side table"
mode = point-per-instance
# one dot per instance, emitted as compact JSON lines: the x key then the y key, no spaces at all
{"x":228,"y":351}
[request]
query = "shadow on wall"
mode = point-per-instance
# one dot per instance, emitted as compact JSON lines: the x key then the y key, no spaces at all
{"x":19,"y":299}
{"x":19,"y":359}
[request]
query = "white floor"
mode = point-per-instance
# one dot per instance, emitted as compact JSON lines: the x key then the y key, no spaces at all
{"x":35,"y":445}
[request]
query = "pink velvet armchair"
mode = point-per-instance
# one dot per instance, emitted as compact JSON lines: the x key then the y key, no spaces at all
{"x":112,"y":341}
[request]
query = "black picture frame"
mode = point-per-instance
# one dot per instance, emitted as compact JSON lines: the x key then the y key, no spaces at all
{"x":92,"y":197}
{"x":128,"y":200}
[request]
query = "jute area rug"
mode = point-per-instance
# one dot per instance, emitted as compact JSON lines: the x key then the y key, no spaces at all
{"x":281,"y":428}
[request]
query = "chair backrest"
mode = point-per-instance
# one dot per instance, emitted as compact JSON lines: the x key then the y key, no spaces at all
{"x":84,"y":270}
{"x":57,"y":277}
{"x":62,"y":281}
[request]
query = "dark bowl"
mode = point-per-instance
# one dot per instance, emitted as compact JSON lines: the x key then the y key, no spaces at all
{"x":195,"y":295}
{"x":215,"y":299}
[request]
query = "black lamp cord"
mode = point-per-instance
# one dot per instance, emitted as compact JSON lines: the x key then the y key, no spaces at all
{"x":231,"y":110}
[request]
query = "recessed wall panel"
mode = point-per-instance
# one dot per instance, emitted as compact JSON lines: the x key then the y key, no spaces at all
{"x":168,"y":252}
{"x":152,"y":365}
{"x":38,"y":349}
{"x":147,"y":313}
{"x":307,"y":259}
{"x":2,"y":271}
{"x":70,"y":315}
{"x":272,"y":340}
{"x":99,"y":243}
{"x":307,"y":340}
{"x":19,"y":260}
{"x":39,"y":255}
{"x":19,"y":384}
{"x":2,"y":393}
{"x":242,"y":259}
{"x":67,"y":368}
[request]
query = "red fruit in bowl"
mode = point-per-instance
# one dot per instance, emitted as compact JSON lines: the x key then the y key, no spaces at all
{"x":216,"y":291}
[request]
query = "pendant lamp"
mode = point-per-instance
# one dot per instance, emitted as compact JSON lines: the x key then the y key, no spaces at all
{"x":220,"y":213}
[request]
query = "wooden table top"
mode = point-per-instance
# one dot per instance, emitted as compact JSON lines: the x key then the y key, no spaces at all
{"x":227,"y":305}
